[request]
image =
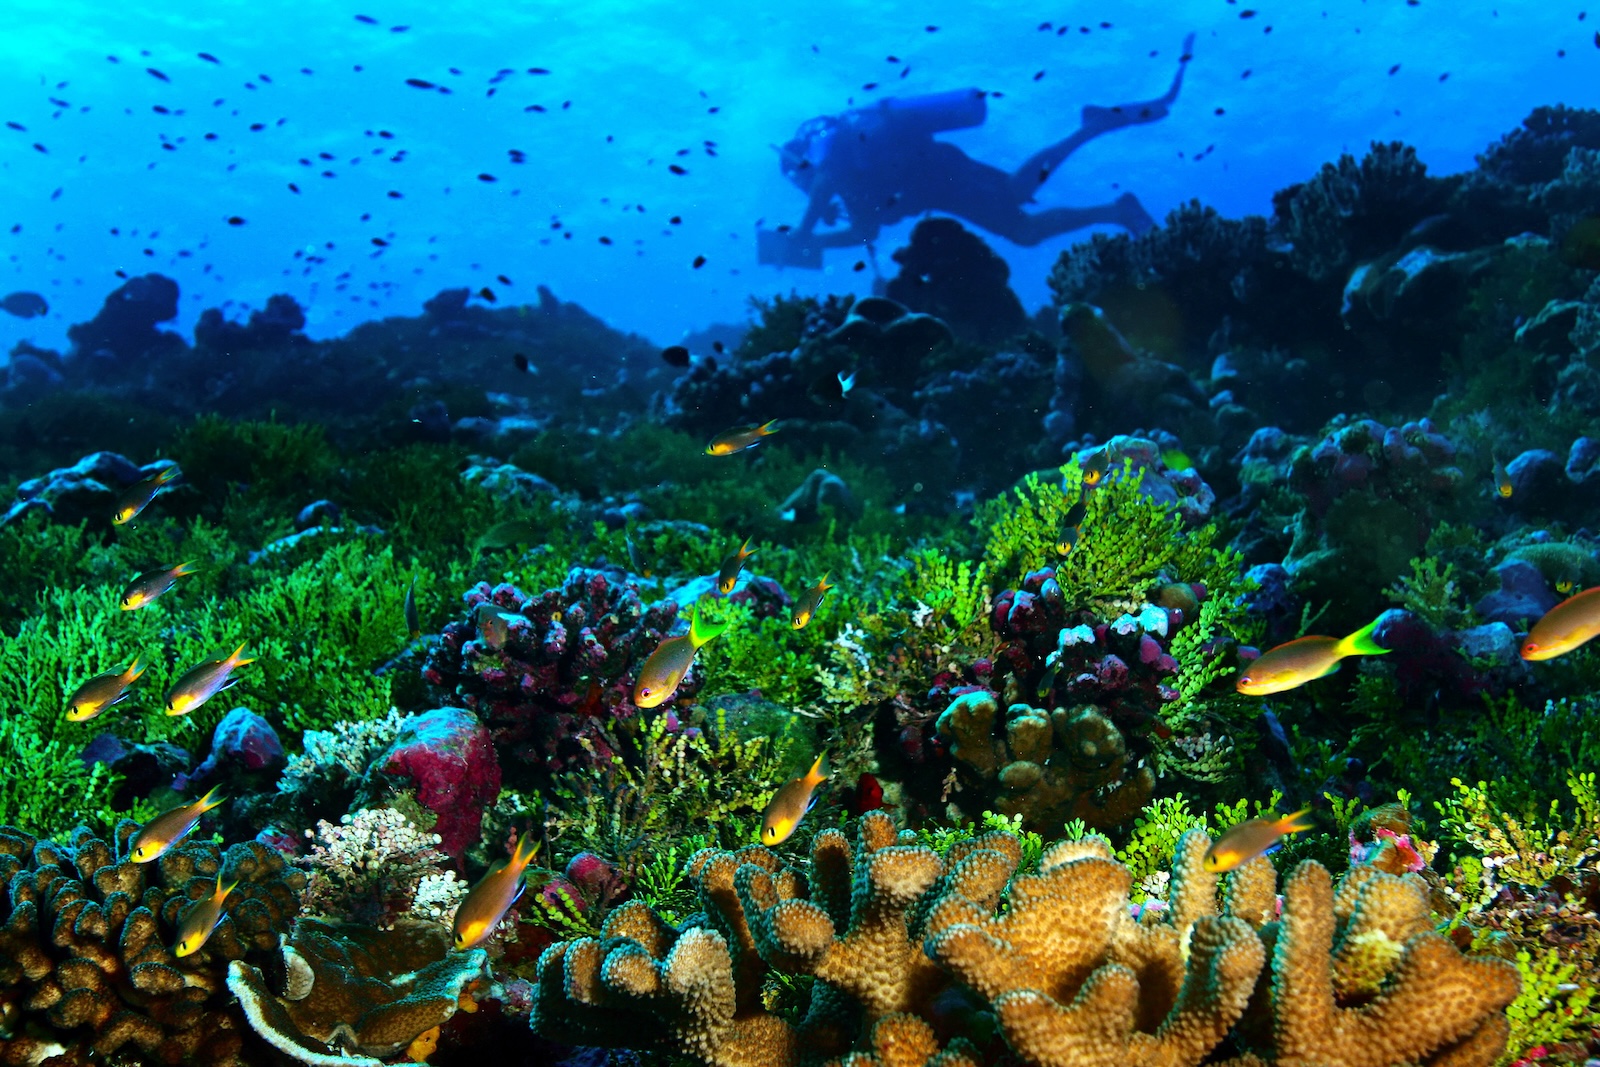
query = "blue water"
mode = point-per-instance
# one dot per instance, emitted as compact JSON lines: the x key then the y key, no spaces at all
{"x":630,"y":86}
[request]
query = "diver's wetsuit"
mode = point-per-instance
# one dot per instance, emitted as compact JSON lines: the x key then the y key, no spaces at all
{"x":882,"y":167}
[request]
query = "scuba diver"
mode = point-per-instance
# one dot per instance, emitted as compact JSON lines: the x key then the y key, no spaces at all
{"x":881,"y":164}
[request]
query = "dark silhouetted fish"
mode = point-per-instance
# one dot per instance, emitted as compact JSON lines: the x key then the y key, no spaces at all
{"x":24,"y":305}
{"x":673,"y":356}
{"x":209,"y":58}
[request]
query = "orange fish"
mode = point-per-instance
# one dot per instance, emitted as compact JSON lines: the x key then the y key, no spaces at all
{"x":151,"y":584}
{"x":728,"y":577}
{"x":1564,"y":627}
{"x":662,"y":673}
{"x":739,"y":438}
{"x":101,"y":692}
{"x":161,"y":833}
{"x":1251,"y":838}
{"x":809,"y":602}
{"x":790,"y":803}
{"x":1298,"y":662}
{"x":487,"y":902}
{"x":138,"y":497}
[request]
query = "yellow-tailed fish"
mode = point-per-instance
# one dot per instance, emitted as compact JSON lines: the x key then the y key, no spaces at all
{"x":809,"y":602}
{"x":151,"y":584}
{"x":413,"y":621}
{"x":728,"y":577}
{"x":487,"y":902}
{"x":164,"y":831}
{"x":1298,"y":662}
{"x":1093,"y":467}
{"x":1176,"y":460}
{"x":194,"y":929}
{"x":739,"y":438}
{"x":138,"y":497}
{"x":101,"y":692}
{"x":1071,"y":526}
{"x":790,"y":803}
{"x":664,"y":670}
{"x":1251,"y":838}
{"x":202,"y":683}
{"x":1564,"y":627}
{"x":1502,"y":481}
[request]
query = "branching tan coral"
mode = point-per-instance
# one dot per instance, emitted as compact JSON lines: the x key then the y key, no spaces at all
{"x":1050,"y":767}
{"x":87,"y":974}
{"x":1346,"y":977}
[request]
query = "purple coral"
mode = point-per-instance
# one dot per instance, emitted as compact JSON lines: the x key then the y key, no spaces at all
{"x":1413,"y":462}
{"x":551,"y":670}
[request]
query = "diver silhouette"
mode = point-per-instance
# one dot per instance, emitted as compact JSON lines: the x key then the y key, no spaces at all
{"x":881,"y":164}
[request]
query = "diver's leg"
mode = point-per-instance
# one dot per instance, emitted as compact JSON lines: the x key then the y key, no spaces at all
{"x":1096,"y":121}
{"x":1032,"y":228}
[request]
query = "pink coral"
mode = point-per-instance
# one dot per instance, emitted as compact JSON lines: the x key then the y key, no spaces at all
{"x":446,"y":755}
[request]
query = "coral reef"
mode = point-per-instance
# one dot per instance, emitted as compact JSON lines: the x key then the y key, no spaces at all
{"x":351,"y":995}
{"x":87,"y":491}
{"x":947,"y":271}
{"x":1051,"y":767}
{"x":446,"y":759}
{"x":86,"y":970}
{"x":375,"y":867}
{"x":562,"y":669}
{"x":124,"y":332}
{"x":1350,"y":975}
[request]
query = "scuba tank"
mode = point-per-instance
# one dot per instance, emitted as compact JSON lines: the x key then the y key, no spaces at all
{"x":958,"y":109}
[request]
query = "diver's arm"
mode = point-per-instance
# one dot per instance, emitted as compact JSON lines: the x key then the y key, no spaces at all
{"x":822,"y":194}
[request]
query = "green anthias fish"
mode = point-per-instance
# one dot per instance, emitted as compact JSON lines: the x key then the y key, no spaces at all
{"x":740,"y":438}
{"x":158,"y":836}
{"x":202,"y":683}
{"x":1249,"y":839}
{"x":197,"y":924}
{"x":101,"y":692}
{"x":809,"y":602}
{"x":1307,"y":659}
{"x":487,"y":902}
{"x":1071,"y":527}
{"x":508,"y":534}
{"x":413,"y":620}
{"x":138,"y":497}
{"x":144,"y":589}
{"x":664,"y":670}
{"x":790,"y":803}
{"x":728,"y":576}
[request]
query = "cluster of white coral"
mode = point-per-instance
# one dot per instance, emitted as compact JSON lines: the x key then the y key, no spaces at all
{"x":376,"y":865}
